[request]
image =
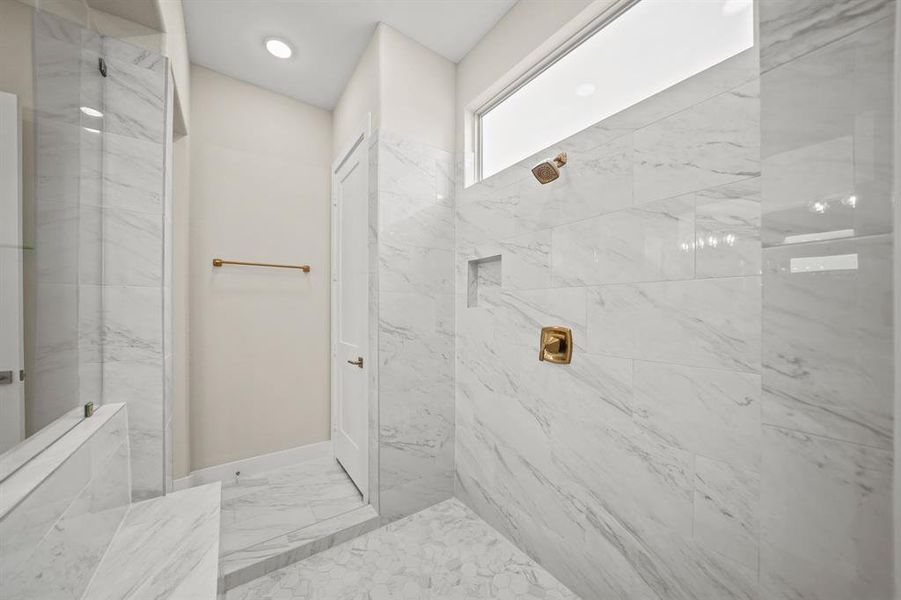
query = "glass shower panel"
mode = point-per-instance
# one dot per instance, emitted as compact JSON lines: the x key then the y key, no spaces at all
{"x":62,"y":312}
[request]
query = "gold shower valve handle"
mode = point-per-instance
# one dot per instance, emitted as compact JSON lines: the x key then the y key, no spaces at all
{"x":556,"y":345}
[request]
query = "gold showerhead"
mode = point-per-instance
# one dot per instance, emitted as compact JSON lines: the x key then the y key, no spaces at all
{"x":549,"y":170}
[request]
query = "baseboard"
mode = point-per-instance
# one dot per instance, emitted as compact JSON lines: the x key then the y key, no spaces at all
{"x":254,"y":465}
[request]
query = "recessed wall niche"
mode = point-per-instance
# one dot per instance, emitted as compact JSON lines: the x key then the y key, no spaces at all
{"x":484,"y":279}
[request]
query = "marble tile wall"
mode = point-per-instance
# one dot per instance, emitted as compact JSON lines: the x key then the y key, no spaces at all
{"x":51,"y":541}
{"x":415,"y":320}
{"x":826,"y":403}
{"x":723,"y":255}
{"x":101,"y":233}
{"x":134,"y":217}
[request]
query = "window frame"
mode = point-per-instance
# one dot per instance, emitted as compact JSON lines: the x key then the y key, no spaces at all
{"x":604,"y":18}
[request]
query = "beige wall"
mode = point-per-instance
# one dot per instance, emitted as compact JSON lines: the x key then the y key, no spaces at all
{"x":417,"y":91}
{"x":259,"y":338}
{"x":360,"y":96}
{"x":407,"y":88}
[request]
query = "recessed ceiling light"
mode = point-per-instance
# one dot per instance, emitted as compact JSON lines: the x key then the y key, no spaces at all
{"x":91,"y":112}
{"x":278,"y":48}
{"x":585,"y":89}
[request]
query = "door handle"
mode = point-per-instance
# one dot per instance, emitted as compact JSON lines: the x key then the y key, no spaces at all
{"x":358,"y":362}
{"x":6,"y":377}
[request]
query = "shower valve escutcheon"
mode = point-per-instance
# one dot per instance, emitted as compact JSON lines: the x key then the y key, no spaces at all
{"x":556,"y":345}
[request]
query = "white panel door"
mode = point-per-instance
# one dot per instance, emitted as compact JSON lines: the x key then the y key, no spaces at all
{"x":350,"y":313}
{"x":12,"y":389}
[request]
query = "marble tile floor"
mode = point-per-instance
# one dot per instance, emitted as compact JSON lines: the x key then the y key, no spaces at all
{"x":262,"y":507}
{"x":445,"y":552}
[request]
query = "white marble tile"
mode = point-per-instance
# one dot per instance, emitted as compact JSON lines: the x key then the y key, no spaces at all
{"x":594,"y":181}
{"x":31,"y":505}
{"x":430,"y":227}
{"x":727,"y":230}
{"x":412,"y":209}
{"x":63,"y":562}
{"x":826,"y":119}
{"x":527,"y":261}
{"x":57,"y":162}
{"x":90,"y":328}
{"x":520,"y":315}
{"x":139,"y":385}
{"x":54,"y":375}
{"x":409,"y":175}
{"x":726,"y":507}
{"x":827,"y":340}
{"x":57,"y":238}
{"x":161,"y":544}
{"x":413,"y":351}
{"x":281,"y":501}
{"x":712,"y":143}
{"x":824,"y":506}
{"x":652,"y":242}
{"x":415,"y":322}
{"x":132,"y":54}
{"x":789,"y":30}
{"x":443,"y":552}
{"x":507,"y":214}
{"x":58,"y":69}
{"x":587,"y":534}
{"x":132,"y":248}
{"x":132,"y":324}
{"x":90,"y":244}
{"x":709,"y":412}
{"x":132,"y":174}
{"x":62,"y":508}
{"x":256,"y":561}
{"x":405,"y":268}
{"x":134,"y":98}
{"x":704,"y":323}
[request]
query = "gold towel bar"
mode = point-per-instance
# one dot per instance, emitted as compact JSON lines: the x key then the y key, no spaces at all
{"x":218,"y":262}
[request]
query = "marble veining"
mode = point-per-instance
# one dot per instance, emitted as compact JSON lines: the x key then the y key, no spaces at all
{"x":828,"y":343}
{"x":276,"y":503}
{"x":790,"y":29}
{"x":165,"y":548}
{"x":413,"y":304}
{"x":827,"y":152}
{"x":253,"y":562}
{"x":59,"y":511}
{"x":638,"y":470}
{"x":814,"y":548}
{"x":712,"y":143}
{"x":445,"y":552}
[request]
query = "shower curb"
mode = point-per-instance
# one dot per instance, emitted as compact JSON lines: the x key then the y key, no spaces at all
{"x":245,"y":565}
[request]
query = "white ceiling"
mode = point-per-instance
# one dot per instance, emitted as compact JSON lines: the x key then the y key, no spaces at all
{"x":328,"y":37}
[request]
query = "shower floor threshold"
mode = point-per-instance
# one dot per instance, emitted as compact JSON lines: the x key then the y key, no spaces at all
{"x":250,"y":563}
